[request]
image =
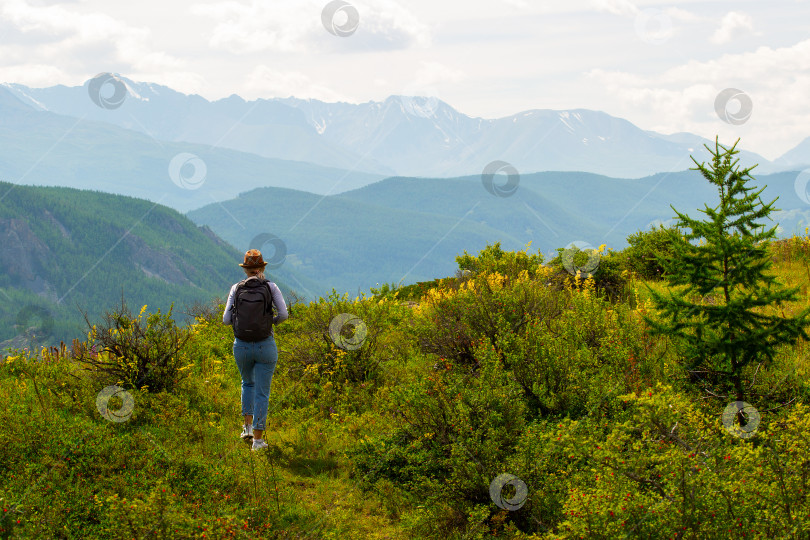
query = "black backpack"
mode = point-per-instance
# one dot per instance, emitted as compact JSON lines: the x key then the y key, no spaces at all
{"x":252,"y":310}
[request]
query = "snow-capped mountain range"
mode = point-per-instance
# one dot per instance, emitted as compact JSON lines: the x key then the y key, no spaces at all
{"x":401,"y":136}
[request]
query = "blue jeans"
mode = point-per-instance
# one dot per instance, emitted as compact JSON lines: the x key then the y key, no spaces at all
{"x":256,"y":361}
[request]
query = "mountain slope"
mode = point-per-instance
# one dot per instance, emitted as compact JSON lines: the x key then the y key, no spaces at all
{"x":263,"y":127}
{"x":43,"y":148}
{"x":411,"y":229}
{"x":343,"y":244}
{"x":797,"y":158}
{"x":63,"y":250}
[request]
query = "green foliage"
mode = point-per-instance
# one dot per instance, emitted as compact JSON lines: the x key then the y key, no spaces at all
{"x":457,"y":428}
{"x":475,"y":309}
{"x":138,"y":352}
{"x":646,"y":250}
{"x":568,"y":361}
{"x":337,"y":346}
{"x":669,"y":467}
{"x":726,"y":258}
{"x":94,"y":242}
{"x":493,"y":259}
{"x":402,"y":436}
{"x":608,"y":270}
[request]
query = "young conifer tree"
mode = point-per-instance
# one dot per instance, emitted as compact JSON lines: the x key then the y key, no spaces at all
{"x":722,"y":303}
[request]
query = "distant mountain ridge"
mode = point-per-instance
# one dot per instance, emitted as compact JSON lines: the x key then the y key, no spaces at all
{"x":411,"y":229}
{"x":39,"y":147}
{"x":405,"y":136}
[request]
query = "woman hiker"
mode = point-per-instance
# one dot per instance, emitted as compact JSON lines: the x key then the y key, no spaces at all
{"x":249,"y":311}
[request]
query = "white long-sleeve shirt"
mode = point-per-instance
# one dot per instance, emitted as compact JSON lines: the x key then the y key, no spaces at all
{"x":278,"y":301}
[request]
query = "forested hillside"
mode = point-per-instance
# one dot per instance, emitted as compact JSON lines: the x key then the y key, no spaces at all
{"x":63,"y":251}
{"x":411,"y":229}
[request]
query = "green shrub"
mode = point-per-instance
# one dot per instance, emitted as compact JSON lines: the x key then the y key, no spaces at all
{"x":137,"y":352}
{"x":608,"y":271}
{"x":645,"y":250}
{"x":493,"y":259}
{"x":672,"y":469}
{"x":567,"y":363}
{"x":486,"y":307}
{"x":457,"y":429}
{"x":337,"y":348}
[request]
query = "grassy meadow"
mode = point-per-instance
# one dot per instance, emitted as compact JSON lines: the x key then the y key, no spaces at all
{"x":405,"y":426}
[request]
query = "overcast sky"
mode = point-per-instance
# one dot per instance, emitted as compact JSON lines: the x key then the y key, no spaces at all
{"x":659,"y":65}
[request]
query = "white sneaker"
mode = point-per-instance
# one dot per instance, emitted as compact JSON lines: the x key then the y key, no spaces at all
{"x":247,"y":433}
{"x":258,"y":444}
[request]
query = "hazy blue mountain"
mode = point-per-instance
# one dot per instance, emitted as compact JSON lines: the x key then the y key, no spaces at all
{"x":63,"y":251}
{"x":42,"y":148}
{"x":399,"y":136}
{"x":266,"y":128}
{"x":797,"y":158}
{"x":338,"y":243}
{"x":411,"y":229}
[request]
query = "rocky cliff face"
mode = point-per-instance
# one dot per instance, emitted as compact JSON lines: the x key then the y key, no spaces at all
{"x":23,"y":257}
{"x":157,"y":263}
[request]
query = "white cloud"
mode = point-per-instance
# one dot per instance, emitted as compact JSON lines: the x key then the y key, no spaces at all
{"x":733,"y":25}
{"x":520,"y":4}
{"x":266,"y":82}
{"x":432,"y":74}
{"x":72,"y":42}
{"x":616,"y":7}
{"x":682,"y":15}
{"x":257,"y":26}
{"x":682,"y":98}
{"x":34,"y":75}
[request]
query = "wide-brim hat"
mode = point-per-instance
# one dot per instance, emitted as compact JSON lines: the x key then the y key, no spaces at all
{"x":253,"y":259}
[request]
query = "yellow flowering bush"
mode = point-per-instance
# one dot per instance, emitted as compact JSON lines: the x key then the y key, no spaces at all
{"x":137,"y":352}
